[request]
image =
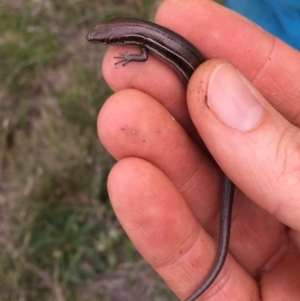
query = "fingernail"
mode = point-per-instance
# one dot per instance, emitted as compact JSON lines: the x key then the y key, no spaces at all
{"x":233,"y":99}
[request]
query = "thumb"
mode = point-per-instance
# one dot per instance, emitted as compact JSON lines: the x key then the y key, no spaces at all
{"x":252,"y":143}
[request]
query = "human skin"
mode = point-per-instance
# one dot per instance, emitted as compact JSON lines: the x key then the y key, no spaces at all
{"x":166,"y":186}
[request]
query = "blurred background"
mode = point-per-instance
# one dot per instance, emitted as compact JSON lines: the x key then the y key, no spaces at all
{"x":59,"y":237}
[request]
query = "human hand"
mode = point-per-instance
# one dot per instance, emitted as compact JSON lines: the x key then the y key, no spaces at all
{"x":165,"y":188}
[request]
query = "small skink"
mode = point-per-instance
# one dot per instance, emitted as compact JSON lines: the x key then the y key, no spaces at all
{"x":184,"y":58}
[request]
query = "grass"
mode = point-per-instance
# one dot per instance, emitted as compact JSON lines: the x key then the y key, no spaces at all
{"x":59,"y":237}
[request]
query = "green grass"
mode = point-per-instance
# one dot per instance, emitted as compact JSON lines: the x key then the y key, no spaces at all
{"x":59,"y":237}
